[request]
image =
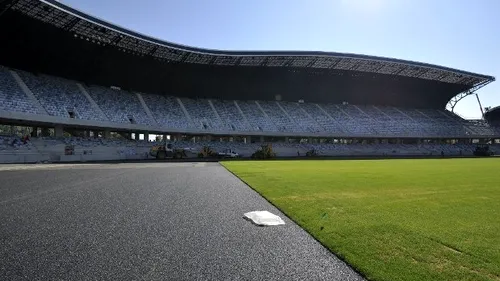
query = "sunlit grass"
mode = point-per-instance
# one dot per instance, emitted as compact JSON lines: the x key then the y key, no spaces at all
{"x":393,"y":219}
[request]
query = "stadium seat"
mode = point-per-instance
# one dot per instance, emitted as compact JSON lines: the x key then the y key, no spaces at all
{"x":12,"y":97}
{"x":60,"y":97}
{"x":63,"y":98}
{"x":120,"y":106}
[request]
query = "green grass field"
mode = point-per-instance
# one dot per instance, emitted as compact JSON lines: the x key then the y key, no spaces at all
{"x":436,"y":219}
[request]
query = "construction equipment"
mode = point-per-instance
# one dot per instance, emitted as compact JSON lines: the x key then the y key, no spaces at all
{"x":265,"y":152}
{"x":167,"y":151}
{"x":312,"y":153}
{"x":207,"y":152}
{"x":483,"y":150}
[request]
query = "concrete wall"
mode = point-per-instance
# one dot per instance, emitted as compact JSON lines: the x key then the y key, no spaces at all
{"x":23,"y":158}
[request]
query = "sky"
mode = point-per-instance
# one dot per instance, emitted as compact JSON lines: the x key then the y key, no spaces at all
{"x":454,"y":33}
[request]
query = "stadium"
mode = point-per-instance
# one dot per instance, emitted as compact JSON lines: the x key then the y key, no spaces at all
{"x":75,"y":88}
{"x":126,"y":84}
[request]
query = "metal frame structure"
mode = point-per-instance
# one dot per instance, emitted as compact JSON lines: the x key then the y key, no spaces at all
{"x":106,"y":34}
{"x":454,"y":101}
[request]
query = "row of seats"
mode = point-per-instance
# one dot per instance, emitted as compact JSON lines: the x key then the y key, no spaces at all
{"x":167,"y":111}
{"x":120,"y":106}
{"x":12,"y":143}
{"x":60,"y":97}
{"x":12,"y":97}
{"x":63,"y":98}
{"x":91,"y":142}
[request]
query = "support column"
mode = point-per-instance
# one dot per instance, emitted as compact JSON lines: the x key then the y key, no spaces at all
{"x":45,"y":132}
{"x":146,"y":137}
{"x":107,"y":134}
{"x":34,"y":132}
{"x":58,"y":131}
{"x":136,"y":136}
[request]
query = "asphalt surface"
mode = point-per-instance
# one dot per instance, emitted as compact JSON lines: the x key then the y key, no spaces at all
{"x":147,"y":221}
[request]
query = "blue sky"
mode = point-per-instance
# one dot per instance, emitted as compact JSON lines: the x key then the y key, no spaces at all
{"x":455,"y":33}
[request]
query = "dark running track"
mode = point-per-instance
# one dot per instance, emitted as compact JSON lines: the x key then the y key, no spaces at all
{"x":147,"y":221}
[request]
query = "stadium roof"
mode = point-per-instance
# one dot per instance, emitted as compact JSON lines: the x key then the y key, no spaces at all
{"x":493,"y":114}
{"x":106,"y":34}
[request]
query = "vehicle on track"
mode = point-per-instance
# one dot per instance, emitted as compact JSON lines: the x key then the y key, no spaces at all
{"x":167,"y":151}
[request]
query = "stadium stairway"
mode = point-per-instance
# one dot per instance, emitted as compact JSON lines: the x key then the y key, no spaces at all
{"x":145,"y":107}
{"x":92,"y":102}
{"x":40,"y":109}
{"x":186,"y":113}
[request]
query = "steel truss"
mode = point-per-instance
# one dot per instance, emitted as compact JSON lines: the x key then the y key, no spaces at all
{"x":454,"y":101}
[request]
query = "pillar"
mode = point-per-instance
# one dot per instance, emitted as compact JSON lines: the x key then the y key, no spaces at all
{"x":107,"y":134}
{"x":58,"y":131}
{"x":45,"y":132}
{"x":34,"y":132}
{"x":146,"y":136}
{"x":136,"y":136}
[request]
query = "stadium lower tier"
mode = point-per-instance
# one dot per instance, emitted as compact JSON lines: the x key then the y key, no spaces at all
{"x":14,"y":149}
{"x":42,"y":95}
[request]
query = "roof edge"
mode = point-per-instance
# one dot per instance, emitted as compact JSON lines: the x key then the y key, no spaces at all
{"x":214,"y":52}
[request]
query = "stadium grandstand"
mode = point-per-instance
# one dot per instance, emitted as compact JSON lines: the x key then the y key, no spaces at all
{"x":70,"y":81}
{"x":492,"y":115}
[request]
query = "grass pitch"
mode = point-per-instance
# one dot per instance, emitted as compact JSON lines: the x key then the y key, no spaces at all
{"x":416,"y":220}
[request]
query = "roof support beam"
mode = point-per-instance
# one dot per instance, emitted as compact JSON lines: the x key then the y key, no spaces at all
{"x":5,"y":5}
{"x":379,"y":68}
{"x":355,"y":65}
{"x":238,"y":61}
{"x":442,"y":76}
{"x":71,"y":23}
{"x":184,"y":57}
{"x":399,"y":71}
{"x":211,"y":62}
{"x":421,"y":73}
{"x":335,"y":64}
{"x":153,"y":50}
{"x":288,"y":63}
{"x":453,"y":102}
{"x":313,"y":61}
{"x":264,"y":62}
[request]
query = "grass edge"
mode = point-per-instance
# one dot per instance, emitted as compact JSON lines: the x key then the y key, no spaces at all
{"x":341,"y":258}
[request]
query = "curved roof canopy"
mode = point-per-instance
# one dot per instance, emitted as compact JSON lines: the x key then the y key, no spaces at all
{"x":106,"y":34}
{"x":493,"y":114}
